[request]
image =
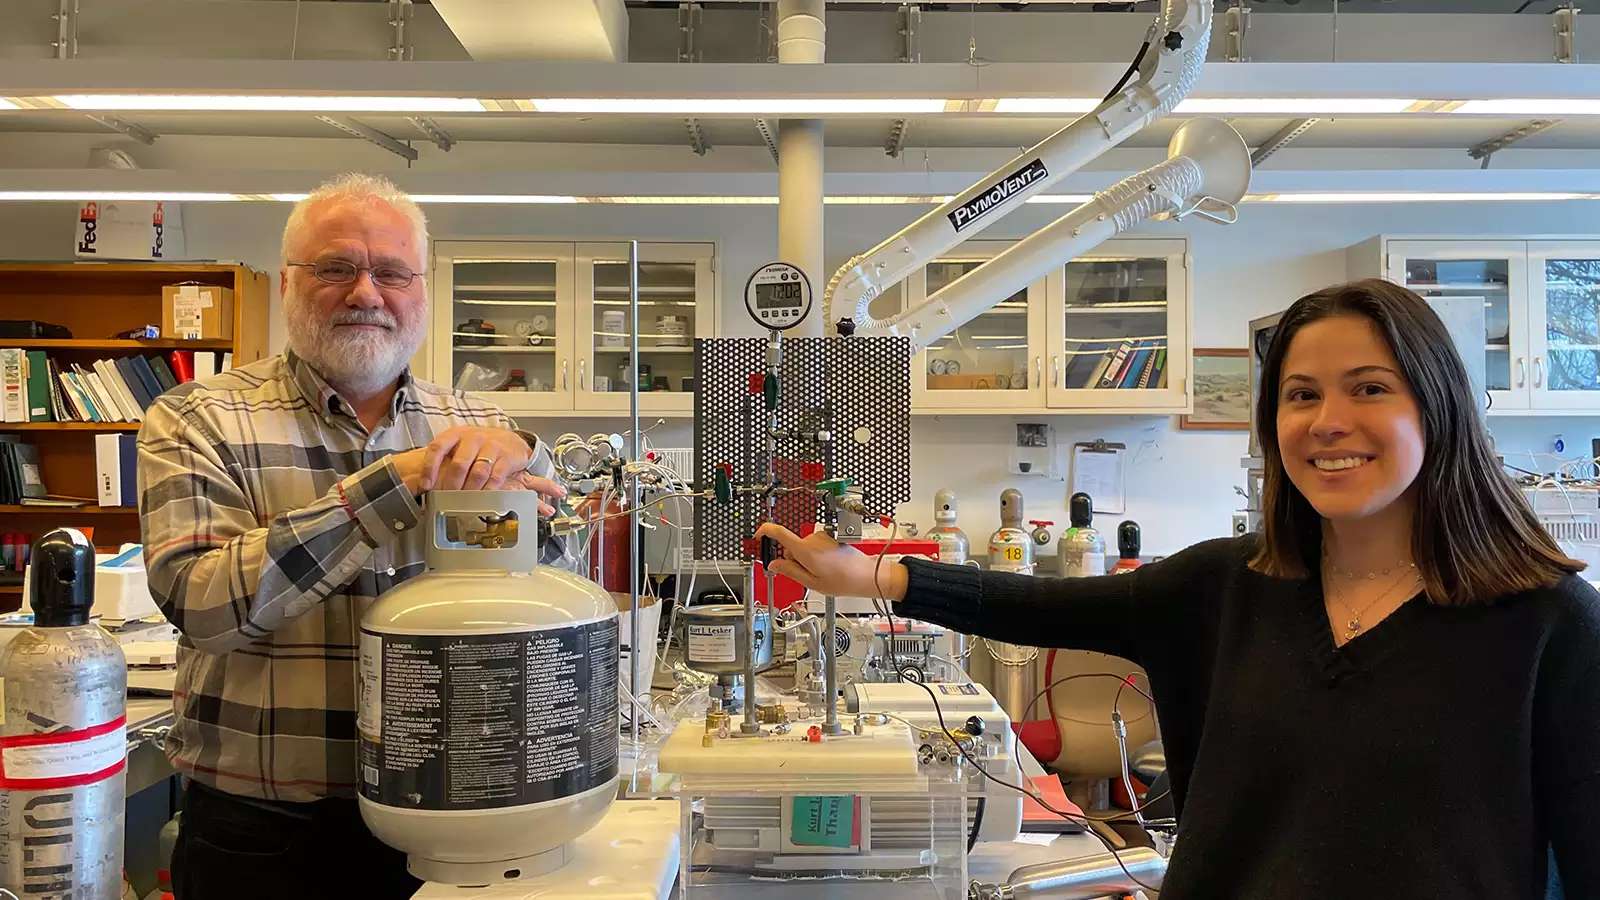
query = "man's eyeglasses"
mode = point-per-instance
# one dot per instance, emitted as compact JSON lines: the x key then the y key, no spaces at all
{"x":339,"y":271}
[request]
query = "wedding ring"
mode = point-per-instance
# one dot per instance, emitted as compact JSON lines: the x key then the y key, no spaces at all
{"x":484,"y":459}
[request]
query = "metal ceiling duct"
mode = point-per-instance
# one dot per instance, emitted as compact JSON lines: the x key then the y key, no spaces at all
{"x":567,"y":30}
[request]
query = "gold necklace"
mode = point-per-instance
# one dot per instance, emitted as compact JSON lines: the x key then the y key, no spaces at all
{"x":1353,"y":626}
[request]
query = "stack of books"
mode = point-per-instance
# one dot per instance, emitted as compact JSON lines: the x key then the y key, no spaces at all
{"x":1117,"y":364}
{"x":36,"y":387}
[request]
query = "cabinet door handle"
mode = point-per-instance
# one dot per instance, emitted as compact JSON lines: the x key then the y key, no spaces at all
{"x":1055,"y":371}
{"x":1038,"y":371}
{"x":1522,"y":373}
{"x":583,"y":365}
{"x":563,"y":374}
{"x":1538,"y":371}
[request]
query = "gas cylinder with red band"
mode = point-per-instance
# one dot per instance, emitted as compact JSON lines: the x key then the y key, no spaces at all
{"x":63,"y":742}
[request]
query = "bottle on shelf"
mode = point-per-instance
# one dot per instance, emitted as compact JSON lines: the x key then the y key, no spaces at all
{"x":517,"y":382}
{"x":1010,"y":547}
{"x":1127,"y":547}
{"x":1081,"y":551}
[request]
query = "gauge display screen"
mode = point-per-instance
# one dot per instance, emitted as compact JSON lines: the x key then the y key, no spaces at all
{"x":779,"y":294}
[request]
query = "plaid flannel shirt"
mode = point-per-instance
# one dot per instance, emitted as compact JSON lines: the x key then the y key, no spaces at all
{"x":271,"y":520}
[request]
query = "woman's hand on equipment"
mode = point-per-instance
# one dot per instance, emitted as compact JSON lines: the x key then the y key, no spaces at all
{"x":824,"y":566}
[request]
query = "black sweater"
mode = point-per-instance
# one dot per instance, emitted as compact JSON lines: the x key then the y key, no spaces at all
{"x":1438,"y":755}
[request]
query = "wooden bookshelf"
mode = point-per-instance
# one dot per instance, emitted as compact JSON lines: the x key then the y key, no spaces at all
{"x":95,"y":301}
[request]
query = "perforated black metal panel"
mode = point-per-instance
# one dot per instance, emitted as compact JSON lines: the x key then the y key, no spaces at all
{"x":858,"y":389}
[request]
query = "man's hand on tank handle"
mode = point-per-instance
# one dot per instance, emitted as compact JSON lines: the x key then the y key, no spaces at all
{"x":411,"y":464}
{"x":825,"y":566}
{"x":470,"y":458}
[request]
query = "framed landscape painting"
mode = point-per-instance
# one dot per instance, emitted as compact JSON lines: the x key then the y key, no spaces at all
{"x":1221,"y":390}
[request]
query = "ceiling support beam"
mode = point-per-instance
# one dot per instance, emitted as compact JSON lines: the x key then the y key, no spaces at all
{"x":66,"y":19}
{"x":142,"y":135}
{"x":689,"y":15}
{"x":910,"y":19}
{"x":1565,"y":22}
{"x":373,"y":135}
{"x":766,"y":135}
{"x":697,"y":137}
{"x":1236,"y":22}
{"x":1283,"y":138}
{"x":896,"y":144}
{"x":1492,"y":146}
{"x":431,"y":130}
{"x":399,"y":16}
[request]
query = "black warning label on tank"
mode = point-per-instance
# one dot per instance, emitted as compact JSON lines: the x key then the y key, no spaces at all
{"x":486,"y":721}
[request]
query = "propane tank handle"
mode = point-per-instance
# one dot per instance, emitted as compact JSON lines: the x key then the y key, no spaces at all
{"x":443,"y":554}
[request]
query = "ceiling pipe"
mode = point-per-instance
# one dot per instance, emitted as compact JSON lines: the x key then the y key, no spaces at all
{"x":802,"y":40}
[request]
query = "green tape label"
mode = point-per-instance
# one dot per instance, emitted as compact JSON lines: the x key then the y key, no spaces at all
{"x":823,"y":822}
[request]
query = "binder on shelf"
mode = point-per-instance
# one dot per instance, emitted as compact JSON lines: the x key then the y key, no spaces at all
{"x":1115,"y":366}
{"x":13,"y":386}
{"x":86,"y":392}
{"x":115,"y":476}
{"x":164,"y":375}
{"x":112,"y":379}
{"x":205,"y":363}
{"x":147,"y":377}
{"x":40,"y":403}
{"x":135,"y":386}
{"x":182,"y":364}
{"x":227,"y":361}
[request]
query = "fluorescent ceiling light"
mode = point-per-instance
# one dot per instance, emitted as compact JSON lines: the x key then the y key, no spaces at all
{"x":494,"y":198}
{"x":1045,"y":104}
{"x":7,"y":104}
{"x":1553,"y":106}
{"x":268,"y":103}
{"x":1242,"y":106}
{"x":1292,"y":106}
{"x":169,"y":196}
{"x":766,"y":200}
{"x":741,"y":106}
{"x":1414,"y":196}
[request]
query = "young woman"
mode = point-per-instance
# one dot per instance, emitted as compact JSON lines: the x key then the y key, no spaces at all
{"x":1393,"y":691}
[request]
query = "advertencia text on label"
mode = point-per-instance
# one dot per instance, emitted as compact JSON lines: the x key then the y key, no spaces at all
{"x":486,"y":721}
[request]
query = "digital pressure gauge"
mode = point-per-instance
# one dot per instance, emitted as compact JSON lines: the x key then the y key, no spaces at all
{"x":778,"y":296}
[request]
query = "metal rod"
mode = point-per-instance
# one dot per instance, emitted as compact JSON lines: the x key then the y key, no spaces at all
{"x":830,"y":671}
{"x":635,"y":625}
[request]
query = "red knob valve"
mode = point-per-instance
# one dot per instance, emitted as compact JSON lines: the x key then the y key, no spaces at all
{"x":814,"y":734}
{"x":758,"y":382}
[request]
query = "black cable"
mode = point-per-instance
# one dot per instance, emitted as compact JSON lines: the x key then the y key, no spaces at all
{"x":884,"y":606}
{"x":1128,"y":75}
{"x":977,"y":825}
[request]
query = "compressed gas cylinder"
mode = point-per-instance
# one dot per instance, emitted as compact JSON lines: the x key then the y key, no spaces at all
{"x":63,"y":741}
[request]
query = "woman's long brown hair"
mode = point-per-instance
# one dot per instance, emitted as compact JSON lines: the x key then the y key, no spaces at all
{"x":1474,"y":538}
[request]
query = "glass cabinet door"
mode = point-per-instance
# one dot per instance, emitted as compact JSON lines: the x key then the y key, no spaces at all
{"x":993,"y":361}
{"x":506,"y":322}
{"x":675,"y":307}
{"x":1119,"y":336}
{"x":1564,"y":315}
{"x":1490,"y":271}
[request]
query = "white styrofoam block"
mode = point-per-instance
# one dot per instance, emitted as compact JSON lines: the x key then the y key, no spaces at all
{"x":881,"y":750}
{"x":631,"y":855}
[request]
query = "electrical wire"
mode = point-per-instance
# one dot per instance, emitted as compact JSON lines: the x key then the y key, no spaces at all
{"x":883,"y":605}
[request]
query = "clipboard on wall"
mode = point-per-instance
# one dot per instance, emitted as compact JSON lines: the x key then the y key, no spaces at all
{"x":1097,"y":470}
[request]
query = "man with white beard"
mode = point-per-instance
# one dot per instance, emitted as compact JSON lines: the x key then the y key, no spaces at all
{"x":277,"y":500}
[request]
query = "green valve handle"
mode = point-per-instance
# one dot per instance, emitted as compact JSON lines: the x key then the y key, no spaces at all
{"x":769,"y":390}
{"x":723,"y":486}
{"x":835,"y":486}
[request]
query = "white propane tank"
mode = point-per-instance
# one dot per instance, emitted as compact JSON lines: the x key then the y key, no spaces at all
{"x":488,"y":712}
{"x":63,"y":736}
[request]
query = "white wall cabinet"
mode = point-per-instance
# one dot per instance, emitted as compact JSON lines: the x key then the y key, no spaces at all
{"x":1107,"y":332}
{"x":1541,"y":311}
{"x":541,"y":327}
